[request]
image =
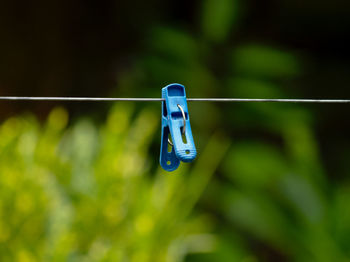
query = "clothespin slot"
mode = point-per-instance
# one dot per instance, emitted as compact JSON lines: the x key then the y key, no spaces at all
{"x":176,"y":124}
{"x":183,"y":128}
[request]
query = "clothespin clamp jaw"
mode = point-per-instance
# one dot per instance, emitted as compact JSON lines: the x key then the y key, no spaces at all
{"x":176,"y":123}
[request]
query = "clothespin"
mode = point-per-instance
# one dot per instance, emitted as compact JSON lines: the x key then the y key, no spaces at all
{"x":176,"y":123}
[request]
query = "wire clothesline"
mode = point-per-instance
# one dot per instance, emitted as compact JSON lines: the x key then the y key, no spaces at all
{"x":144,"y":99}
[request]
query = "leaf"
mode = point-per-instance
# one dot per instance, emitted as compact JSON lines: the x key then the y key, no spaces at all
{"x":218,"y":18}
{"x":263,"y":61}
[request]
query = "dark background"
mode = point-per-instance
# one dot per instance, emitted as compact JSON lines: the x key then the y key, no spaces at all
{"x":80,"y":47}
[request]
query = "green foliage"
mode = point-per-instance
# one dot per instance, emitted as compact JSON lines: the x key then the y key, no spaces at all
{"x":283,"y":199}
{"x":83,"y":192}
{"x":86,"y":193}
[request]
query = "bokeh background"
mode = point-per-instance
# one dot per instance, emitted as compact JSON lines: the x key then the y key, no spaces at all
{"x":81,"y":181}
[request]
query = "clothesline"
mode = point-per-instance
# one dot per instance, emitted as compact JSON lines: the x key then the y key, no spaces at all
{"x":144,"y":99}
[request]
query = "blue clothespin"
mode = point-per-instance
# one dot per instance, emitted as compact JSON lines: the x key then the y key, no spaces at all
{"x":176,"y":122}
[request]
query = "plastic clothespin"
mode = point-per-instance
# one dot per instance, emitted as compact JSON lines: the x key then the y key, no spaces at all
{"x":176,"y":122}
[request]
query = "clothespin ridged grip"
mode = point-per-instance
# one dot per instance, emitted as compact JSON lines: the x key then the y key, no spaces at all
{"x":176,"y":123}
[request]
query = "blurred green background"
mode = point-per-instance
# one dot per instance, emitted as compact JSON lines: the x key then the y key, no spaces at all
{"x":81,"y":181}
